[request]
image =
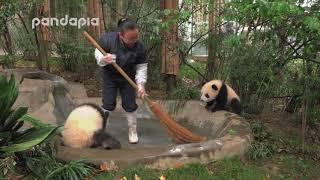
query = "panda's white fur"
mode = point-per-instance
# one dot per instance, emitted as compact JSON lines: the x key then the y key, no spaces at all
{"x":81,"y":125}
{"x":85,"y":127}
{"x":220,"y":96}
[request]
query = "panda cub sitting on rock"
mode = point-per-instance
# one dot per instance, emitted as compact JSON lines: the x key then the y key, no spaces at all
{"x":219,"y":96}
{"x":85,"y":128}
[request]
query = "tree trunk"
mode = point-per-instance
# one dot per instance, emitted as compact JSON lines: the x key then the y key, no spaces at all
{"x":8,"y":46}
{"x":95,"y":11}
{"x":171,"y":82}
{"x":43,"y":36}
{"x":8,"y":40}
{"x":170,"y":56}
{"x":214,"y":16}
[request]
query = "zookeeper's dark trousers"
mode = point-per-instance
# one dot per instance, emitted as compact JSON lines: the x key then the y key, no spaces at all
{"x":111,"y":85}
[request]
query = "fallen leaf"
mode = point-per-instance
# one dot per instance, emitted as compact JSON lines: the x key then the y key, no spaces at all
{"x":178,"y":165}
{"x":108,"y":166}
{"x":104,"y":166}
{"x":162,"y":178}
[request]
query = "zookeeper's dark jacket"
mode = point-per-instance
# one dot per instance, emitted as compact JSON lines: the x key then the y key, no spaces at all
{"x":126,"y":58}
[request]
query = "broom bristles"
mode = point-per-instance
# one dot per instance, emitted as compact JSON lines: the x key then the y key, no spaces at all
{"x":180,"y":133}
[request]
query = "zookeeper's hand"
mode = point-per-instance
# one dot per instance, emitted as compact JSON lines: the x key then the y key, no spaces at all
{"x":141,"y":91}
{"x":109,"y":58}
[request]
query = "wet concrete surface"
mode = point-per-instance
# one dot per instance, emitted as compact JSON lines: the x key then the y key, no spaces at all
{"x":150,"y":131}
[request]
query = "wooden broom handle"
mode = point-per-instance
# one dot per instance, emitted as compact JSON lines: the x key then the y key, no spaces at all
{"x":115,"y":65}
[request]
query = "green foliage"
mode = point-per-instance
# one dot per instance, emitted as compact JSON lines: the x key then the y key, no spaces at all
{"x":25,"y":40}
{"x":181,"y":95}
{"x":263,"y":145}
{"x":269,"y":36}
{"x":9,"y":8}
{"x":7,"y":164}
{"x":11,"y":139}
{"x":34,"y":122}
{"x":187,"y":72}
{"x":47,"y":167}
{"x":299,"y":168}
{"x":185,"y":93}
{"x":75,"y":55}
{"x":250,"y":70}
{"x":260,"y":150}
{"x":7,"y":61}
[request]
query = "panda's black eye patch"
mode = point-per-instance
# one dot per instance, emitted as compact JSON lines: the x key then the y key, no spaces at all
{"x":214,"y":87}
{"x":207,"y":95}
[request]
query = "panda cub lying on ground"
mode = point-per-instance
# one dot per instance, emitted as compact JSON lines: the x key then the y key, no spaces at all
{"x":219,"y":96}
{"x":85,"y":128}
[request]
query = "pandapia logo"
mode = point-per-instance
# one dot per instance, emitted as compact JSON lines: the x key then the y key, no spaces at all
{"x":65,"y":21}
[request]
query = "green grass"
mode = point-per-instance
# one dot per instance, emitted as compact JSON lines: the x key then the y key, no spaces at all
{"x":278,"y":167}
{"x":129,"y":173}
{"x":285,"y":166}
{"x":232,"y":168}
{"x":192,"y":171}
{"x":299,"y":168}
{"x":294,"y":142}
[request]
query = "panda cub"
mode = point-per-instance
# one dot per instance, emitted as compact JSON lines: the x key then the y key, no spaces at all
{"x":85,"y":128}
{"x":219,"y":96}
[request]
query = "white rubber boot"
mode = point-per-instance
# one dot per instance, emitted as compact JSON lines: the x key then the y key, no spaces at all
{"x":132,"y":127}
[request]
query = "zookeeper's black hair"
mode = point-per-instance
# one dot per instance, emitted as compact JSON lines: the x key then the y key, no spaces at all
{"x":125,"y":24}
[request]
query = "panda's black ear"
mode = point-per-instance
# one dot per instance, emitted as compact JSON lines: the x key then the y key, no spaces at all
{"x":202,"y":83}
{"x":214,"y":87}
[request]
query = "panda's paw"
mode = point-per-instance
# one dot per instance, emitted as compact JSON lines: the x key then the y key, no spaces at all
{"x":211,"y":108}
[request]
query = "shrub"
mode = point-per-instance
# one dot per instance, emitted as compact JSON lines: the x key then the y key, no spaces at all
{"x":263,"y":145}
{"x":12,"y":139}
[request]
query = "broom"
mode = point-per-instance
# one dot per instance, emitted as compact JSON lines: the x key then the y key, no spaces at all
{"x":179,"y":133}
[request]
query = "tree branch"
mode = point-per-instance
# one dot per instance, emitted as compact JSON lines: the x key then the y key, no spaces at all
{"x":128,"y":7}
{"x":114,"y":10}
{"x":183,"y":58}
{"x":149,"y":13}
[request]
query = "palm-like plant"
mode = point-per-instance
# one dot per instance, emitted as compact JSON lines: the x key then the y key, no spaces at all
{"x":11,"y":139}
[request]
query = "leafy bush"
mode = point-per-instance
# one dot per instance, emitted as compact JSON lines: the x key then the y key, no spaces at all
{"x":187,"y":72}
{"x":250,"y":70}
{"x":75,"y":56}
{"x":11,"y":139}
{"x":181,"y":95}
{"x":7,"y":61}
{"x":47,"y":167}
{"x":263,"y":145}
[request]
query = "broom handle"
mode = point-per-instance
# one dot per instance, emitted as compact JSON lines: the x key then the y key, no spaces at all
{"x":115,"y":65}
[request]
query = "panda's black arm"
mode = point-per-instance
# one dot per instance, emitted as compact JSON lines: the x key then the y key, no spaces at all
{"x":222,"y":98}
